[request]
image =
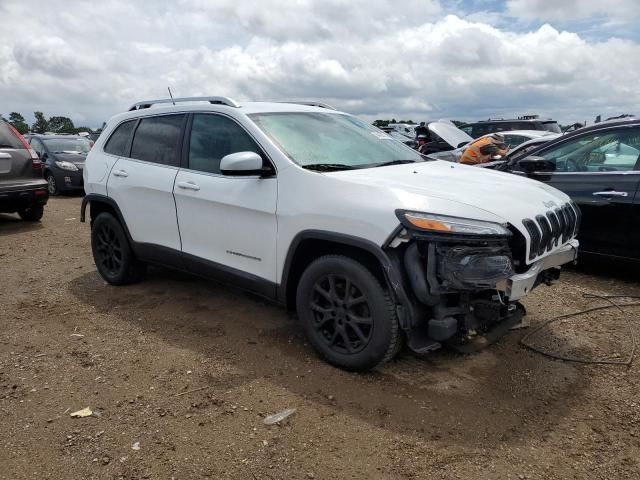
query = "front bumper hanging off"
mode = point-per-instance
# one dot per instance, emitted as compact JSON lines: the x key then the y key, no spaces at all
{"x":521,"y":284}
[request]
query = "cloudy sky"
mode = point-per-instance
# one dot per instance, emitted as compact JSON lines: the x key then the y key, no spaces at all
{"x":419,"y":59}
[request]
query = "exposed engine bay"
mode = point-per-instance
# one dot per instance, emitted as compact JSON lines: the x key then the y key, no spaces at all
{"x":460,"y":287}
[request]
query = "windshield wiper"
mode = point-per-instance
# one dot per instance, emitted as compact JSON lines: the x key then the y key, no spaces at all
{"x":394,"y":162}
{"x":328,"y":167}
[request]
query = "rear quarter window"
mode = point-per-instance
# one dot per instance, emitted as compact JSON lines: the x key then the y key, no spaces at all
{"x":118,"y":143}
{"x":8,"y":138}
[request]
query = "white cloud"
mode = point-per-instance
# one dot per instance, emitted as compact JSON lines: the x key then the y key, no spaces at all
{"x":375,"y":58}
{"x":615,"y":11}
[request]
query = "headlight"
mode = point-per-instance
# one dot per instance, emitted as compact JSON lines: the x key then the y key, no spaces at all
{"x":442,"y":224}
{"x":66,"y":166}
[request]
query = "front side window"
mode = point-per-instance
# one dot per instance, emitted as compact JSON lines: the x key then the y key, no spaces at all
{"x":118,"y":144}
{"x":213,"y":137}
{"x":611,"y":151}
{"x":156,"y":140}
{"x":331,"y":139}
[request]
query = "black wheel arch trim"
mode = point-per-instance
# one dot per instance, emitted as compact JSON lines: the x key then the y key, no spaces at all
{"x":98,"y":198}
{"x":392,"y":274}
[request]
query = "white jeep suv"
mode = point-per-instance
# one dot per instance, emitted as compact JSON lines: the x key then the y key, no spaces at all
{"x":370,"y":242}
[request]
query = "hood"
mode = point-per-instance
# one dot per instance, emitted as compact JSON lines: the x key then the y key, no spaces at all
{"x":449,"y":133}
{"x":474,"y":192}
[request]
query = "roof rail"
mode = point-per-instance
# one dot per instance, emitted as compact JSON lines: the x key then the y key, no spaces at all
{"x":311,"y":104}
{"x":213,"y":100}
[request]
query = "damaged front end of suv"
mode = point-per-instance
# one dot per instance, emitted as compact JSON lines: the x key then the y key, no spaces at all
{"x":464,"y":278}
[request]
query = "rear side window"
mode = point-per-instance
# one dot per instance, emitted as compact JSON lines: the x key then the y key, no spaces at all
{"x":156,"y":140}
{"x":213,"y":137}
{"x":8,"y":139}
{"x":119,"y":141}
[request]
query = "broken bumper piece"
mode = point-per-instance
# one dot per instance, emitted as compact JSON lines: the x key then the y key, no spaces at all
{"x":519,"y":285}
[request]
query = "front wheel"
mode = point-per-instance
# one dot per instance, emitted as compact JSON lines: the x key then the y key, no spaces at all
{"x":52,"y":185}
{"x":112,"y":254}
{"x":346,"y":314}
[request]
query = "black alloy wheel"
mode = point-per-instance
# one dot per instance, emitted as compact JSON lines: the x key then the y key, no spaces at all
{"x":347,"y":314}
{"x":108,"y":249}
{"x":341,"y":314}
{"x":112,"y":254}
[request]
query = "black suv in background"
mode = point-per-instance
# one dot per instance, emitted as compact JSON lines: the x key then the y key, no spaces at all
{"x":62,"y":159}
{"x":483,"y":127}
{"x":22,"y":188}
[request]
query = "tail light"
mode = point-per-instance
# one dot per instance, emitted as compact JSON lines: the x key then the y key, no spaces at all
{"x":36,"y":164}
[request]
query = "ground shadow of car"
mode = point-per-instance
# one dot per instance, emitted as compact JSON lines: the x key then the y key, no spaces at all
{"x":607,"y":268}
{"x":480,"y":400}
{"x":11,"y":224}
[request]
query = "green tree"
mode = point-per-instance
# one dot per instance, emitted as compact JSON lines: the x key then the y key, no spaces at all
{"x":40,"y":125}
{"x":83,"y":129}
{"x":18,"y":122}
{"x":61,"y":125}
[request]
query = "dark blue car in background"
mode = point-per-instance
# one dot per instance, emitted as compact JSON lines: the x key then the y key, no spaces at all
{"x":62,"y":158}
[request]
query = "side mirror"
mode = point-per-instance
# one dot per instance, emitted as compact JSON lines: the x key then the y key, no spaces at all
{"x":243,"y":164}
{"x":535,"y":164}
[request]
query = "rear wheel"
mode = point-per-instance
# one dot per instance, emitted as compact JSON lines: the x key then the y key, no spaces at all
{"x":52,"y":185}
{"x":32,"y":214}
{"x":112,"y":253}
{"x":346,"y":314}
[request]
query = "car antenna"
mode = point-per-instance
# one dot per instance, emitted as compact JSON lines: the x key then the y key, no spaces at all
{"x":171,"y":95}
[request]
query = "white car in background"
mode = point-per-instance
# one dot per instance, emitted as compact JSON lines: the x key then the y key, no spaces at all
{"x":316,"y":209}
{"x":513,"y":138}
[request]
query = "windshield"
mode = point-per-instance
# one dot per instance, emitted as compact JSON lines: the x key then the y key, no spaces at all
{"x":64,"y":145}
{"x":551,"y":127}
{"x":312,"y":139}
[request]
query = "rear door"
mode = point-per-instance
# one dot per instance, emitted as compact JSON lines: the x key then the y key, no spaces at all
{"x":226,"y":223}
{"x":16,"y":165}
{"x":141,"y":183}
{"x":599,"y":171}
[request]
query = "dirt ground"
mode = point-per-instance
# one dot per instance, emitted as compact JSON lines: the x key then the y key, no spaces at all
{"x":187,"y":369}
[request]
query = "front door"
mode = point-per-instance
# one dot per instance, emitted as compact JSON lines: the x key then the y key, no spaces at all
{"x":227,"y":224}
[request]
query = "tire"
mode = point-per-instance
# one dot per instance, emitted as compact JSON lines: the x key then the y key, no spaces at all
{"x":32,"y":214}
{"x":52,"y":185}
{"x":332,"y":293}
{"x":112,"y":254}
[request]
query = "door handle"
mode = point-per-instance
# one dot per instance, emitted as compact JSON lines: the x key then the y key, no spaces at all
{"x":610,"y":193}
{"x":120,"y":173}
{"x":188,"y":186}
{"x":4,"y":155}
